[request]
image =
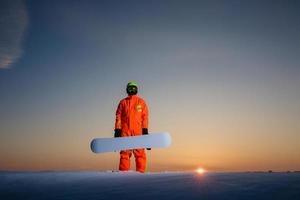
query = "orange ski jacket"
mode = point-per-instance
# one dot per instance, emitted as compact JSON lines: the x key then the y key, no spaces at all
{"x":132,"y":115}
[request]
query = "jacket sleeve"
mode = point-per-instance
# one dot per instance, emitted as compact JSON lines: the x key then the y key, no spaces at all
{"x":118,"y":122}
{"x":145,"y":117}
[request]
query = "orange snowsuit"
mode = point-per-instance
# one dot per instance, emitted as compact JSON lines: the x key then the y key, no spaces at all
{"x":131,"y":118}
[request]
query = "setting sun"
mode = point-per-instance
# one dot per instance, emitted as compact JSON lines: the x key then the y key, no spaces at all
{"x":200,"y":170}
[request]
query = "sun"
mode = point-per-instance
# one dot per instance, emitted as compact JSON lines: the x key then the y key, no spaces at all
{"x":200,"y":170}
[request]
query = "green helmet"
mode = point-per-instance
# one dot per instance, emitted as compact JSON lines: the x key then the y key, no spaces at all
{"x":132,"y":83}
{"x":132,"y":88}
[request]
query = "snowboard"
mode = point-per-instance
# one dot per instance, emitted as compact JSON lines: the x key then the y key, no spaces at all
{"x":152,"y":140}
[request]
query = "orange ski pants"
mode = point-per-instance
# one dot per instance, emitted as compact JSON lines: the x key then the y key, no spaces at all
{"x":140,"y":160}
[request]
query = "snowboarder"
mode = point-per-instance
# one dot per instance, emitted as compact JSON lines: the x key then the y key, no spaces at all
{"x":132,"y":120}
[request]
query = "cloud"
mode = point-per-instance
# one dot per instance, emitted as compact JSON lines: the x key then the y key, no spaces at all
{"x":13,"y":23}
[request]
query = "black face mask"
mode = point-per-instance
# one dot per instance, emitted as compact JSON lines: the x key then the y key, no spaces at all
{"x":132,"y":90}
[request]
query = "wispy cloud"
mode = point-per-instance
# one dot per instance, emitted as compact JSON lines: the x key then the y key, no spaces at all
{"x":13,"y":23}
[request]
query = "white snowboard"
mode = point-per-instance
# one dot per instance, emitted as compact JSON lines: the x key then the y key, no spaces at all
{"x":153,"y":140}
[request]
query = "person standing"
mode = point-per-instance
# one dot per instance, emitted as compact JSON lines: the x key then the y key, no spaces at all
{"x":132,"y":120}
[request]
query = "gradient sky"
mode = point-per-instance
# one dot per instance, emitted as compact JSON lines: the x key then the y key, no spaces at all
{"x":223,"y":77}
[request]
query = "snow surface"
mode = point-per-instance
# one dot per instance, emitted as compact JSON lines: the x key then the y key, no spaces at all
{"x":168,"y":185}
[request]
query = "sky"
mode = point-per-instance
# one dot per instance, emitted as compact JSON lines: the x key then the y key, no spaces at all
{"x":222,"y":77}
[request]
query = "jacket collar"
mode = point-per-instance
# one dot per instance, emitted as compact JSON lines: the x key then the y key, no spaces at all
{"x":132,"y":96}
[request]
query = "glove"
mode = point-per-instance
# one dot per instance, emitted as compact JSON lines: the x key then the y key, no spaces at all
{"x":118,"y":132}
{"x":145,"y":132}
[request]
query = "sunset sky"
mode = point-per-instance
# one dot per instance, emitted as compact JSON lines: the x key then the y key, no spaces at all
{"x":223,"y":77}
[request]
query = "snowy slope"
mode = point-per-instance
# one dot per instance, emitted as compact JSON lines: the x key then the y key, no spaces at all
{"x":108,"y":185}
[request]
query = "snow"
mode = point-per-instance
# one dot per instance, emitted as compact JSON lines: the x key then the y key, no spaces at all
{"x":132,"y":185}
